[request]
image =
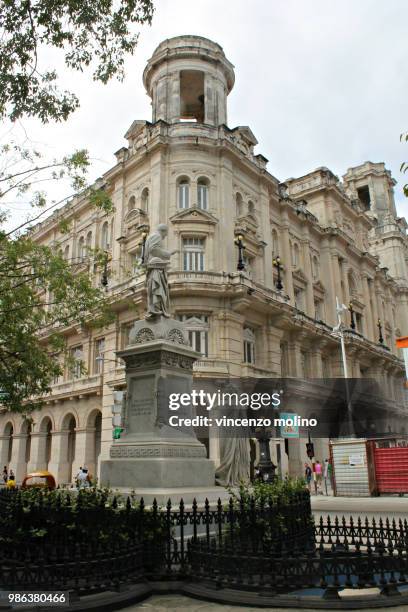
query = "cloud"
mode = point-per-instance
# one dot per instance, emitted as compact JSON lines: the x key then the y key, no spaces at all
{"x":319,"y":83}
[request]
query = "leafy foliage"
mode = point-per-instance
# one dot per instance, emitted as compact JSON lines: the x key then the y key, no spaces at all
{"x":275,"y":514}
{"x":284,"y":489}
{"x":40,"y":294}
{"x":95,"y":33}
{"x":92,"y":516}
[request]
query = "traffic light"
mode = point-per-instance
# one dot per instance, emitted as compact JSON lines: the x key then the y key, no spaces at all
{"x":310,"y":450}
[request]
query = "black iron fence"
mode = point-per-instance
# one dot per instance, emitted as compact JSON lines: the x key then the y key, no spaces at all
{"x":269,"y":546}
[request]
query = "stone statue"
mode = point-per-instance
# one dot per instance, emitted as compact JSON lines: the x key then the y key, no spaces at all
{"x":156,"y":261}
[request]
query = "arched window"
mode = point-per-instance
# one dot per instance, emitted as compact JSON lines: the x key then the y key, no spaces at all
{"x":249,"y":345}
{"x":183,"y":190}
{"x":275,"y":243}
{"x":131,"y":203}
{"x":104,"y":236}
{"x":81,"y":249}
{"x":315,"y":267}
{"x":88,"y":242}
{"x":145,"y":200}
{"x":295,"y":255}
{"x":66,"y":253}
{"x":352,"y":284}
{"x":202,"y":193}
{"x":251,"y":208}
{"x":239,"y":205}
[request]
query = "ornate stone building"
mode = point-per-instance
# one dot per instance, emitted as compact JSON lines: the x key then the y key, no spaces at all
{"x":188,"y":168}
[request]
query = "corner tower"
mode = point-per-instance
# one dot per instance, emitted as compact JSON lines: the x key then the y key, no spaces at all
{"x":373,"y":186}
{"x":188,"y":79}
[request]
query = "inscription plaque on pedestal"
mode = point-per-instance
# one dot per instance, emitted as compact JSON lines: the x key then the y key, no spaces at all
{"x":141,"y":404}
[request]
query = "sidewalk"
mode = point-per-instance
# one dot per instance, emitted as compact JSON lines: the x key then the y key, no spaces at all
{"x":391,"y":507}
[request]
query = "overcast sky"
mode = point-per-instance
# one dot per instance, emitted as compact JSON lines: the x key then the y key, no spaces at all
{"x":319,"y":83}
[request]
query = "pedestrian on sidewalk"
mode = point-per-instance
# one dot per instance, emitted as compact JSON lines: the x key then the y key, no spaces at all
{"x":5,"y":474}
{"x":11,"y":482}
{"x":318,"y":472}
{"x":327,"y":474}
{"x":308,"y":475}
{"x":83,"y":481}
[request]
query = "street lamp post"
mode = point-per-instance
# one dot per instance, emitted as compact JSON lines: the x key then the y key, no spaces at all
{"x":380,"y":335}
{"x":352,"y":320}
{"x":104,"y":277}
{"x":240,"y":244}
{"x":338,"y":331}
{"x":143,"y":244}
{"x":279,"y":267}
{"x":266,"y":466}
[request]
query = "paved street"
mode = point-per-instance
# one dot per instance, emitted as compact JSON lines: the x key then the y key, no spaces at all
{"x":163,"y":603}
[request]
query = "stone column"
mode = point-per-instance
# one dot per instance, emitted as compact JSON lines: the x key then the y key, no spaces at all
{"x":375,"y":312}
{"x":346,"y":295}
{"x":85,"y":448}
{"x":368,"y":315}
{"x":214,"y":446}
{"x":37,"y":455}
{"x":174,"y":110}
{"x":4,"y":449}
{"x":310,"y":308}
{"x":337,"y":278}
{"x":287,"y":261}
{"x":18,"y":463}
{"x":326,"y":266}
{"x":315,"y":353}
{"x":273,"y":356}
{"x":58,"y":464}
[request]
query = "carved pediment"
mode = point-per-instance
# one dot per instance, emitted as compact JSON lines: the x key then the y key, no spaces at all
{"x":135,"y":129}
{"x":194,"y":215}
{"x":247,"y":224}
{"x":318,"y":287}
{"x":137,"y":215}
{"x":246,"y":134}
{"x":299,"y":275}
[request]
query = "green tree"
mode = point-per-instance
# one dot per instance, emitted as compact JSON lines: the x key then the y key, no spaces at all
{"x":41,"y":293}
{"x":90,"y":33}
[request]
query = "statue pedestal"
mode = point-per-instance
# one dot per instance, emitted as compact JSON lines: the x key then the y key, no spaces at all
{"x":151,"y":453}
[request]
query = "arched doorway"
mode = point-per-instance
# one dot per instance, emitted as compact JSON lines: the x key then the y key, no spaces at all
{"x":69,"y":425}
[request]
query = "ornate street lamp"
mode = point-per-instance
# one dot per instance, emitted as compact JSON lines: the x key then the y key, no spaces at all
{"x":352,"y":320}
{"x":380,"y":336}
{"x":143,"y":243}
{"x":279,"y":267}
{"x":265,"y":466}
{"x":104,"y":277}
{"x":239,"y":242}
